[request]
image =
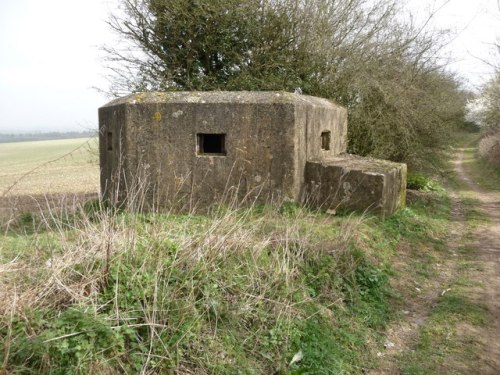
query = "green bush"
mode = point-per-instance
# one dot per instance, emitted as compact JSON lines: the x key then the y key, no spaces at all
{"x":417,"y":181}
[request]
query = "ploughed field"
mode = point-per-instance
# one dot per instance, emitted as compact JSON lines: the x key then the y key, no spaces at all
{"x":38,"y":174}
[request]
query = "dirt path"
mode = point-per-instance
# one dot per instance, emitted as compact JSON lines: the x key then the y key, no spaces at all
{"x":485,"y":274}
{"x":402,"y":334}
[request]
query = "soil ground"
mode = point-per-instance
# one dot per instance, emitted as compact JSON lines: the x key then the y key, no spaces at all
{"x":484,"y":276}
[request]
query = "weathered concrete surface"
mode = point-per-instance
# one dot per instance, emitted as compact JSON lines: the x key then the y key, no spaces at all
{"x":194,"y":149}
{"x":149,"y":142}
{"x":356,"y":183}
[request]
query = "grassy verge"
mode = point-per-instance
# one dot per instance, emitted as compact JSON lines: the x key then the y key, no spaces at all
{"x":268,"y":290}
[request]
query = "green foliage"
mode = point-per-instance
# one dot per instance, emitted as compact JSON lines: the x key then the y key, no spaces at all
{"x":26,"y":223}
{"x":27,"y":219}
{"x":418,"y":181}
{"x":291,"y":209}
{"x":372,"y":282}
{"x":92,"y":207}
{"x":328,"y":348}
{"x":62,"y":343}
{"x":336,"y":347}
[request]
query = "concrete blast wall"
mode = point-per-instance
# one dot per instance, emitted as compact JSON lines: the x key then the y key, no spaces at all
{"x":361,"y":184}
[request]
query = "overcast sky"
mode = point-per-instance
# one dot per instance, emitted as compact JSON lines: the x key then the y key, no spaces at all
{"x":49,"y":62}
{"x":50,"y":59}
{"x":475,"y":25}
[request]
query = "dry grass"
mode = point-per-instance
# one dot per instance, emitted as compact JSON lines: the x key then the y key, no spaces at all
{"x":239,"y":270}
{"x":193,"y":271}
{"x":65,"y":238}
{"x":244,"y":288}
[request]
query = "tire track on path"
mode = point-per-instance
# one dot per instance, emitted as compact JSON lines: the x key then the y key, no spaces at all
{"x":486,"y":241}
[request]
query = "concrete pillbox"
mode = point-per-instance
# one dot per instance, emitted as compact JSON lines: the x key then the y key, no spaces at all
{"x":194,"y":149}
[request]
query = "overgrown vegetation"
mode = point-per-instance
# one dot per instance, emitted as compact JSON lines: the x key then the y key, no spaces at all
{"x":247,"y":290}
{"x":364,"y":55}
{"x":484,"y":111}
{"x":418,"y":181}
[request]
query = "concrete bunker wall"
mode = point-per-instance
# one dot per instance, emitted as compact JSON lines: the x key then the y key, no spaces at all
{"x":197,"y":148}
{"x":203,"y":152}
{"x":112,"y":147}
{"x":322,"y":129}
{"x":193,"y":149}
{"x":356,"y":183}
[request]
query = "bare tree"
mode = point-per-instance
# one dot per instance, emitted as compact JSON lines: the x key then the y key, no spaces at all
{"x":362,"y":54}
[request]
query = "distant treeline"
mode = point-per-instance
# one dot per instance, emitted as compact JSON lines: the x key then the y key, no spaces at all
{"x":6,"y":138}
